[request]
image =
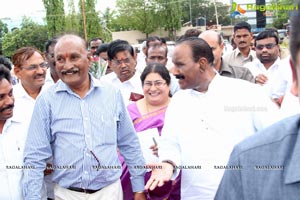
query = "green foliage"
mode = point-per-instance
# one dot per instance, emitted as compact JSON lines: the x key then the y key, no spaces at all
{"x":30,"y":34}
{"x":170,"y":14}
{"x":205,"y":8}
{"x":3,"y":29}
{"x":138,"y":15}
{"x":93,"y":23}
{"x":72,"y":19}
{"x":281,"y":16}
{"x":55,"y":16}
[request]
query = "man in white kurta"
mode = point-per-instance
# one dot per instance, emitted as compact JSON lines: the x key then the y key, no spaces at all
{"x":205,"y":120}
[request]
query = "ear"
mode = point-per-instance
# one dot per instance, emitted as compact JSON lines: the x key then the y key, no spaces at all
{"x":203,"y":63}
{"x":17,"y":71}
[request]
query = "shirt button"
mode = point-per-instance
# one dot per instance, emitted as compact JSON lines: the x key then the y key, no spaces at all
{"x":85,"y":172}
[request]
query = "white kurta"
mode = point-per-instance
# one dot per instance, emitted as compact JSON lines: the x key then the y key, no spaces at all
{"x":201,"y":129}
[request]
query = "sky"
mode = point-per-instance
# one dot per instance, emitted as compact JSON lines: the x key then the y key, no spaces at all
{"x":13,"y":10}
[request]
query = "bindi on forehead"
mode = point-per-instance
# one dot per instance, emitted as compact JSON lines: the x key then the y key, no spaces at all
{"x":67,"y":55}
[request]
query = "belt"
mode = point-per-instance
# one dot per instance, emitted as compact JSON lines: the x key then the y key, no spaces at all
{"x":88,"y":191}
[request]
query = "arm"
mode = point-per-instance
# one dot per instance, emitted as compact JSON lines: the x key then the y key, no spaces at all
{"x":37,"y":150}
{"x":129,"y":146}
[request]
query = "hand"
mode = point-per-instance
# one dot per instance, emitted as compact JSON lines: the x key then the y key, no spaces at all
{"x":139,"y":196}
{"x":48,"y":169}
{"x":155,"y":150}
{"x":161,"y":173}
{"x":261,"y":79}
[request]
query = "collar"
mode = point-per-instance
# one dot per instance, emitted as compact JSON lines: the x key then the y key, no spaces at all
{"x":20,"y":92}
{"x":293,"y":171}
{"x":61,"y":86}
{"x":251,"y":54}
{"x":224,"y":67}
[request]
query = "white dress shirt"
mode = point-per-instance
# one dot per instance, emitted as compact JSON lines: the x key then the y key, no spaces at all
{"x":134,"y":84}
{"x":24,"y":105}
{"x":256,"y":68}
{"x":201,"y":129}
{"x":12,"y":141}
{"x":284,"y":78}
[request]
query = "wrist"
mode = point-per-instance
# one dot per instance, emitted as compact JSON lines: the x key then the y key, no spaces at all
{"x":171,"y":163}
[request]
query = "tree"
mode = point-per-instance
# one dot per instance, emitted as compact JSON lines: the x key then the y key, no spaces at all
{"x":281,"y":14}
{"x":93,"y":25}
{"x":72,"y":19}
{"x":139,"y":15}
{"x":170,"y":15}
{"x":30,"y":34}
{"x":55,"y":16}
{"x":3,"y":31}
{"x":205,"y":8}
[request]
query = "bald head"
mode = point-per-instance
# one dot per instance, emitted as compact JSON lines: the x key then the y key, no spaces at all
{"x":215,"y":41}
{"x":211,"y":35}
{"x":70,"y":38}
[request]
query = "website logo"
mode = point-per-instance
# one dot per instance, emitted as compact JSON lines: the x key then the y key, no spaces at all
{"x":236,"y":10}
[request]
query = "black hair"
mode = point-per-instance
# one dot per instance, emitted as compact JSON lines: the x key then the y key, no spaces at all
{"x":95,"y":39}
{"x":118,"y":45}
{"x":102,"y":48}
{"x":151,"y":39}
{"x":199,"y":48}
{"x":5,"y":62}
{"x":4,"y":73}
{"x":267,"y":34}
{"x":242,"y":25}
{"x":294,"y":34}
{"x":50,"y":42}
{"x":159,"y":68}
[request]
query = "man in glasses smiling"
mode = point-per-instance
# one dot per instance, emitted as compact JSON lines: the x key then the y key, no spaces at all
{"x":265,"y":67}
{"x":30,"y":67}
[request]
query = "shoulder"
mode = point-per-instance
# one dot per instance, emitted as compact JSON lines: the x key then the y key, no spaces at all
{"x":282,"y":133}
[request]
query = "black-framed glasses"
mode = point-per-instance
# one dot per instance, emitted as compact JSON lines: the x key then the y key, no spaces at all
{"x":33,"y":67}
{"x":268,"y":46}
{"x":157,"y":84}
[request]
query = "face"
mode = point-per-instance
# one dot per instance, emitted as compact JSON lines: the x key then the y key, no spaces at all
{"x":94,"y":45}
{"x":157,"y":55}
{"x":215,"y":46}
{"x":32,"y":72}
{"x":72,"y":62}
{"x":242,"y":38}
{"x":6,"y":100}
{"x":156,"y":90}
{"x":185,"y":66}
{"x":123,"y":65}
{"x":267,"y":50}
{"x":50,"y":59}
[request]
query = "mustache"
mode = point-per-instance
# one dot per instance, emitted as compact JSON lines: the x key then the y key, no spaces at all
{"x":72,"y":70}
{"x":7,"y":107}
{"x":242,"y":42}
{"x":39,"y":75}
{"x":179,"y":76}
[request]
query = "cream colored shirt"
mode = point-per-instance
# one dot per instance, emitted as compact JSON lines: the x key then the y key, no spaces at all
{"x":235,"y":58}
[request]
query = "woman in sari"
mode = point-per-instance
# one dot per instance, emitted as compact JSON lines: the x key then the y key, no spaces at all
{"x":148,"y":115}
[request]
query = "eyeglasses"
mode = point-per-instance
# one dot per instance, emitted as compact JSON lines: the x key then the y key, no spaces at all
{"x":119,"y":62}
{"x":34,"y":67}
{"x":268,"y":46}
{"x":157,"y":84}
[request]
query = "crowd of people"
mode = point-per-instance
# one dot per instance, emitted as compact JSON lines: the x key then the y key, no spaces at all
{"x":199,"y":125}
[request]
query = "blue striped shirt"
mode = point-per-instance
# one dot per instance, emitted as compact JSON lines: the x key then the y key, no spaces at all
{"x":83,"y":135}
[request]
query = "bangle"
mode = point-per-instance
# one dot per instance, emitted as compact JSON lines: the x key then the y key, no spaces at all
{"x":171,"y":163}
{"x":140,"y":192}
